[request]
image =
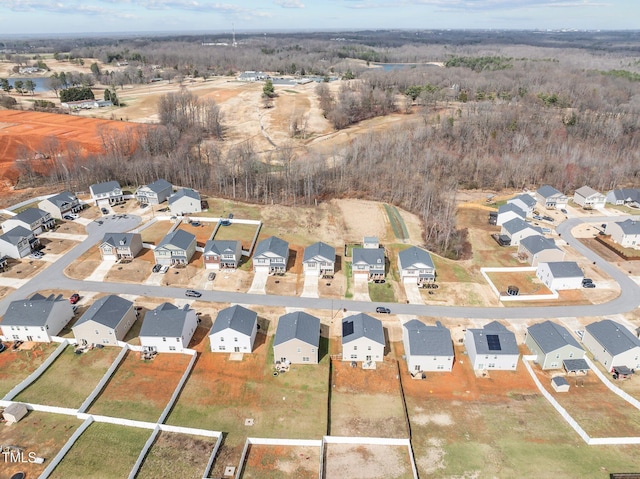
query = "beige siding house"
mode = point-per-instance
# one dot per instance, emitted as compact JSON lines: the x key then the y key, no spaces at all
{"x":362,"y":339}
{"x":297,"y":339}
{"x":106,"y":322}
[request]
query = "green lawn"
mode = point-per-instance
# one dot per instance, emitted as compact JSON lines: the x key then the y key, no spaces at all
{"x":624,"y":209}
{"x":348,"y":275}
{"x":236,"y":231}
{"x":104,"y":451}
{"x":76,"y":375}
{"x":382,"y":293}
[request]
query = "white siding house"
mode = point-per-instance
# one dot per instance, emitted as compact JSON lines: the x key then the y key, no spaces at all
{"x":168,"y":329}
{"x":589,"y":198}
{"x":612,"y":344}
{"x":517,"y":229}
{"x":319,"y":259}
{"x":560,"y":275}
{"x":626,"y":233}
{"x":36,"y":319}
{"x":416,"y":266}
{"x":525,"y":202}
{"x":154,"y":193}
{"x":33,"y":219}
{"x":362,"y":339}
{"x":107,"y":193}
{"x":185,"y":201}
{"x":234,"y":330}
{"x":271,"y":255}
{"x":18,"y":243}
{"x":550,"y":198}
{"x":428,"y":348}
{"x":493,"y":347}
{"x":61,"y":204}
{"x":508,"y":212}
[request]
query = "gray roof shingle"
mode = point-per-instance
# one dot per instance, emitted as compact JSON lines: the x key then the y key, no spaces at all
{"x":587,"y":191}
{"x":614,"y":337}
{"x":221,"y":247}
{"x":565,"y":269}
{"x":547,"y":191}
{"x":166,"y":320}
{"x":15,"y":235}
{"x":319,"y":249}
{"x":159,"y":185}
{"x":298,"y":325}
{"x":415,"y":256}
{"x":527,"y":199}
{"x":30,"y":215}
{"x":184,"y":192}
{"x":108,"y":311}
{"x":537,"y":243}
{"x":119,"y":239}
{"x":62,"y":198}
{"x":550,"y":336}
{"x":427,"y":340}
{"x":30,"y":312}
{"x":274,"y":245}
{"x":362,"y":325}
{"x":180,"y":238}
{"x":629,"y":226}
{"x":237,"y":318}
{"x":507,"y":340}
{"x":516,"y":225}
{"x":106,"y":187}
{"x":511,"y":207}
{"x":370,"y":256}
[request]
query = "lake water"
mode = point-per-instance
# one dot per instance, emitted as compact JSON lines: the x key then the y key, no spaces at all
{"x":42,"y":84}
{"x":401,"y":66}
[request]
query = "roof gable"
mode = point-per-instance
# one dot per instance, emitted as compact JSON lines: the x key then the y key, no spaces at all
{"x":537,"y":243}
{"x":274,"y":245}
{"x":298,"y":325}
{"x":34,"y":311}
{"x":550,"y":336}
{"x":370,"y":256}
{"x":614,"y":337}
{"x":494,"y":339}
{"x":106,"y":187}
{"x":220,"y":247}
{"x":321,"y":250}
{"x":166,"y":320}
{"x":427,"y":340}
{"x":236,"y":318}
{"x":108,"y":311}
{"x":565,"y":269}
{"x":415,"y":257}
{"x":181,"y":239}
{"x":362,"y":326}
{"x":184,"y":193}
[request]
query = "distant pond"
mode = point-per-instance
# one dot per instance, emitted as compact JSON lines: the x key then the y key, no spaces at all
{"x":42,"y":84}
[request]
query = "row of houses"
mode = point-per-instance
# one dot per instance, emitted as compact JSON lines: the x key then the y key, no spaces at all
{"x":184,"y":201}
{"x":169,"y":328}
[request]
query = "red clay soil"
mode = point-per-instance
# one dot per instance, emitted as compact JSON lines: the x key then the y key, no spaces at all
{"x":29,"y":132}
{"x":358,"y":380}
{"x":462,"y":384}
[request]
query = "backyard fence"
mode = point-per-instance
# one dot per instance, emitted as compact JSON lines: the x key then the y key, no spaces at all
{"x":183,"y":379}
{"x":518,"y":269}
{"x":68,"y":445}
{"x":94,"y":394}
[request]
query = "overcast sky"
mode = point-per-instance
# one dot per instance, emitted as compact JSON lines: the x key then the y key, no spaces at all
{"x":77,"y":16}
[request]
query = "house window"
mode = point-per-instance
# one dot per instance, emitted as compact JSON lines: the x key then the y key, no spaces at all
{"x":299,"y":350}
{"x":557,"y":356}
{"x":97,"y":332}
{"x":221,"y":347}
{"x":417,"y":367}
{"x":368,"y":348}
{"x":491,"y":365}
{"x":235,"y":339}
{"x":305,"y":359}
{"x":172,"y":348}
{"x":177,"y":340}
{"x":164,"y":339}
{"x":355,"y":348}
{"x":42,"y":329}
{"x":222,"y":340}
{"x":313,"y":350}
{"x":570,"y":355}
{"x":354,"y":356}
{"x":15,"y":336}
{"x":105,"y":341}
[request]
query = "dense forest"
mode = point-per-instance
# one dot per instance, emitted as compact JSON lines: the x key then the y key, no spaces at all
{"x":562,"y":109}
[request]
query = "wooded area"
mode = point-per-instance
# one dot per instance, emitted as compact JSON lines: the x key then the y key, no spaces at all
{"x":548,"y":110}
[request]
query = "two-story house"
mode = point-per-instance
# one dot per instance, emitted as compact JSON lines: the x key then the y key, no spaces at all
{"x":185,"y":201}
{"x":175,"y":248}
{"x":271,"y":255}
{"x":33,"y":219}
{"x":222,"y":254}
{"x":368,"y":264}
{"x":319,"y":259}
{"x":107,"y":193}
{"x":116,"y":246}
{"x":416,"y":266}
{"x":154,"y":193}
{"x":61,"y":204}
{"x":37,"y":318}
{"x":18,"y":243}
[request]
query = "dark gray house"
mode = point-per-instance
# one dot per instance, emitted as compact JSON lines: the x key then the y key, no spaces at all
{"x":154,"y":193}
{"x":427,"y":348}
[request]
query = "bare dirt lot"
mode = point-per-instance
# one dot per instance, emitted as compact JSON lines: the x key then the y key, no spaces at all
{"x":527,"y":282}
{"x":281,"y":462}
{"x":367,"y":462}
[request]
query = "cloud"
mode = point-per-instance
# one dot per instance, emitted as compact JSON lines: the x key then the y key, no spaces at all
{"x":289,"y":3}
{"x":69,"y":8}
{"x":508,"y":4}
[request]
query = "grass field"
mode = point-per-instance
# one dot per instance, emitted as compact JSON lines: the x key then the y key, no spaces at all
{"x":37,"y":433}
{"x":239,"y":232}
{"x":177,"y":455}
{"x":104,"y":451}
{"x":75,"y":375}
{"x":281,"y":462}
{"x":139,"y":389}
{"x":153,"y":234}
{"x":382,"y":292}
{"x":397,"y":223}
{"x":526,"y":281}
{"x":15,"y":366}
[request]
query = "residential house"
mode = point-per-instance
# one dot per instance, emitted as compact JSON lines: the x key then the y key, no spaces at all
{"x":416,"y":266}
{"x":626,"y":233}
{"x":185,"y":201}
{"x":61,"y":204}
{"x":175,"y":248}
{"x":251,"y":76}
{"x":107,"y":193}
{"x":589,"y":198}
{"x":492,"y":347}
{"x":551,"y":198}
{"x":509,"y":211}
{"x":297,"y":339}
{"x":539,"y":249}
{"x":222,"y":254}
{"x":106,"y":322}
{"x":552,"y":344}
{"x":525,"y":202}
{"x":154,"y":193}
{"x":612,"y":344}
{"x":624,"y":196}
{"x":362,"y":338}
{"x":319,"y":259}
{"x":560,"y":275}
{"x":36,"y":319}
{"x":370,"y":242}
{"x":33,"y":219}
{"x":368,"y":263}
{"x":517,"y":229}
{"x":427,"y":348}
{"x":116,"y":246}
{"x":234,"y":330}
{"x":18,"y":243}
{"x":168,"y":329}
{"x":271,"y":255}
{"x":4,"y":263}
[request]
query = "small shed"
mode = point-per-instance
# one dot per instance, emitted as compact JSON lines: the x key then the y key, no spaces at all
{"x":14,"y":412}
{"x":560,"y":384}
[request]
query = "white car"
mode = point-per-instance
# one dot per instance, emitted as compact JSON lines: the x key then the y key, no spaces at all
{"x":164,"y":269}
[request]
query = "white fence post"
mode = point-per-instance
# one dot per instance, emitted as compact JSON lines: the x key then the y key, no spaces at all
{"x":143,"y":453}
{"x":94,"y":394}
{"x":63,"y":452}
{"x":178,"y":388}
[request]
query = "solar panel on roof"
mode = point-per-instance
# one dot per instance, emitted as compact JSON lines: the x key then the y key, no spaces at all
{"x":493,"y":341}
{"x":347,"y":328}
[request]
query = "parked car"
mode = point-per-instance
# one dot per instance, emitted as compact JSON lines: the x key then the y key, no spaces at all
{"x":192,"y":293}
{"x":195,"y":223}
{"x":104,"y":211}
{"x":588,"y":285}
{"x":563,"y":211}
{"x":383,"y":310}
{"x":212,"y":276}
{"x":74,"y":216}
{"x":144,"y":205}
{"x":67,"y":217}
{"x":36,"y":255}
{"x":545,"y":230}
{"x":537,"y":217}
{"x":156,"y":268}
{"x":74,"y":298}
{"x":548,"y":218}
{"x":586,"y":280}
{"x":164,"y":269}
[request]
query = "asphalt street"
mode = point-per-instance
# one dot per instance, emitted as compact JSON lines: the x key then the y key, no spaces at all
{"x":53,"y":276}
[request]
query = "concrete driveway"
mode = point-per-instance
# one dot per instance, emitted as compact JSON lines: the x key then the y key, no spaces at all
{"x":361,"y":289}
{"x":101,"y":271}
{"x":259,"y":284}
{"x":310,"y":288}
{"x":413,"y":293}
